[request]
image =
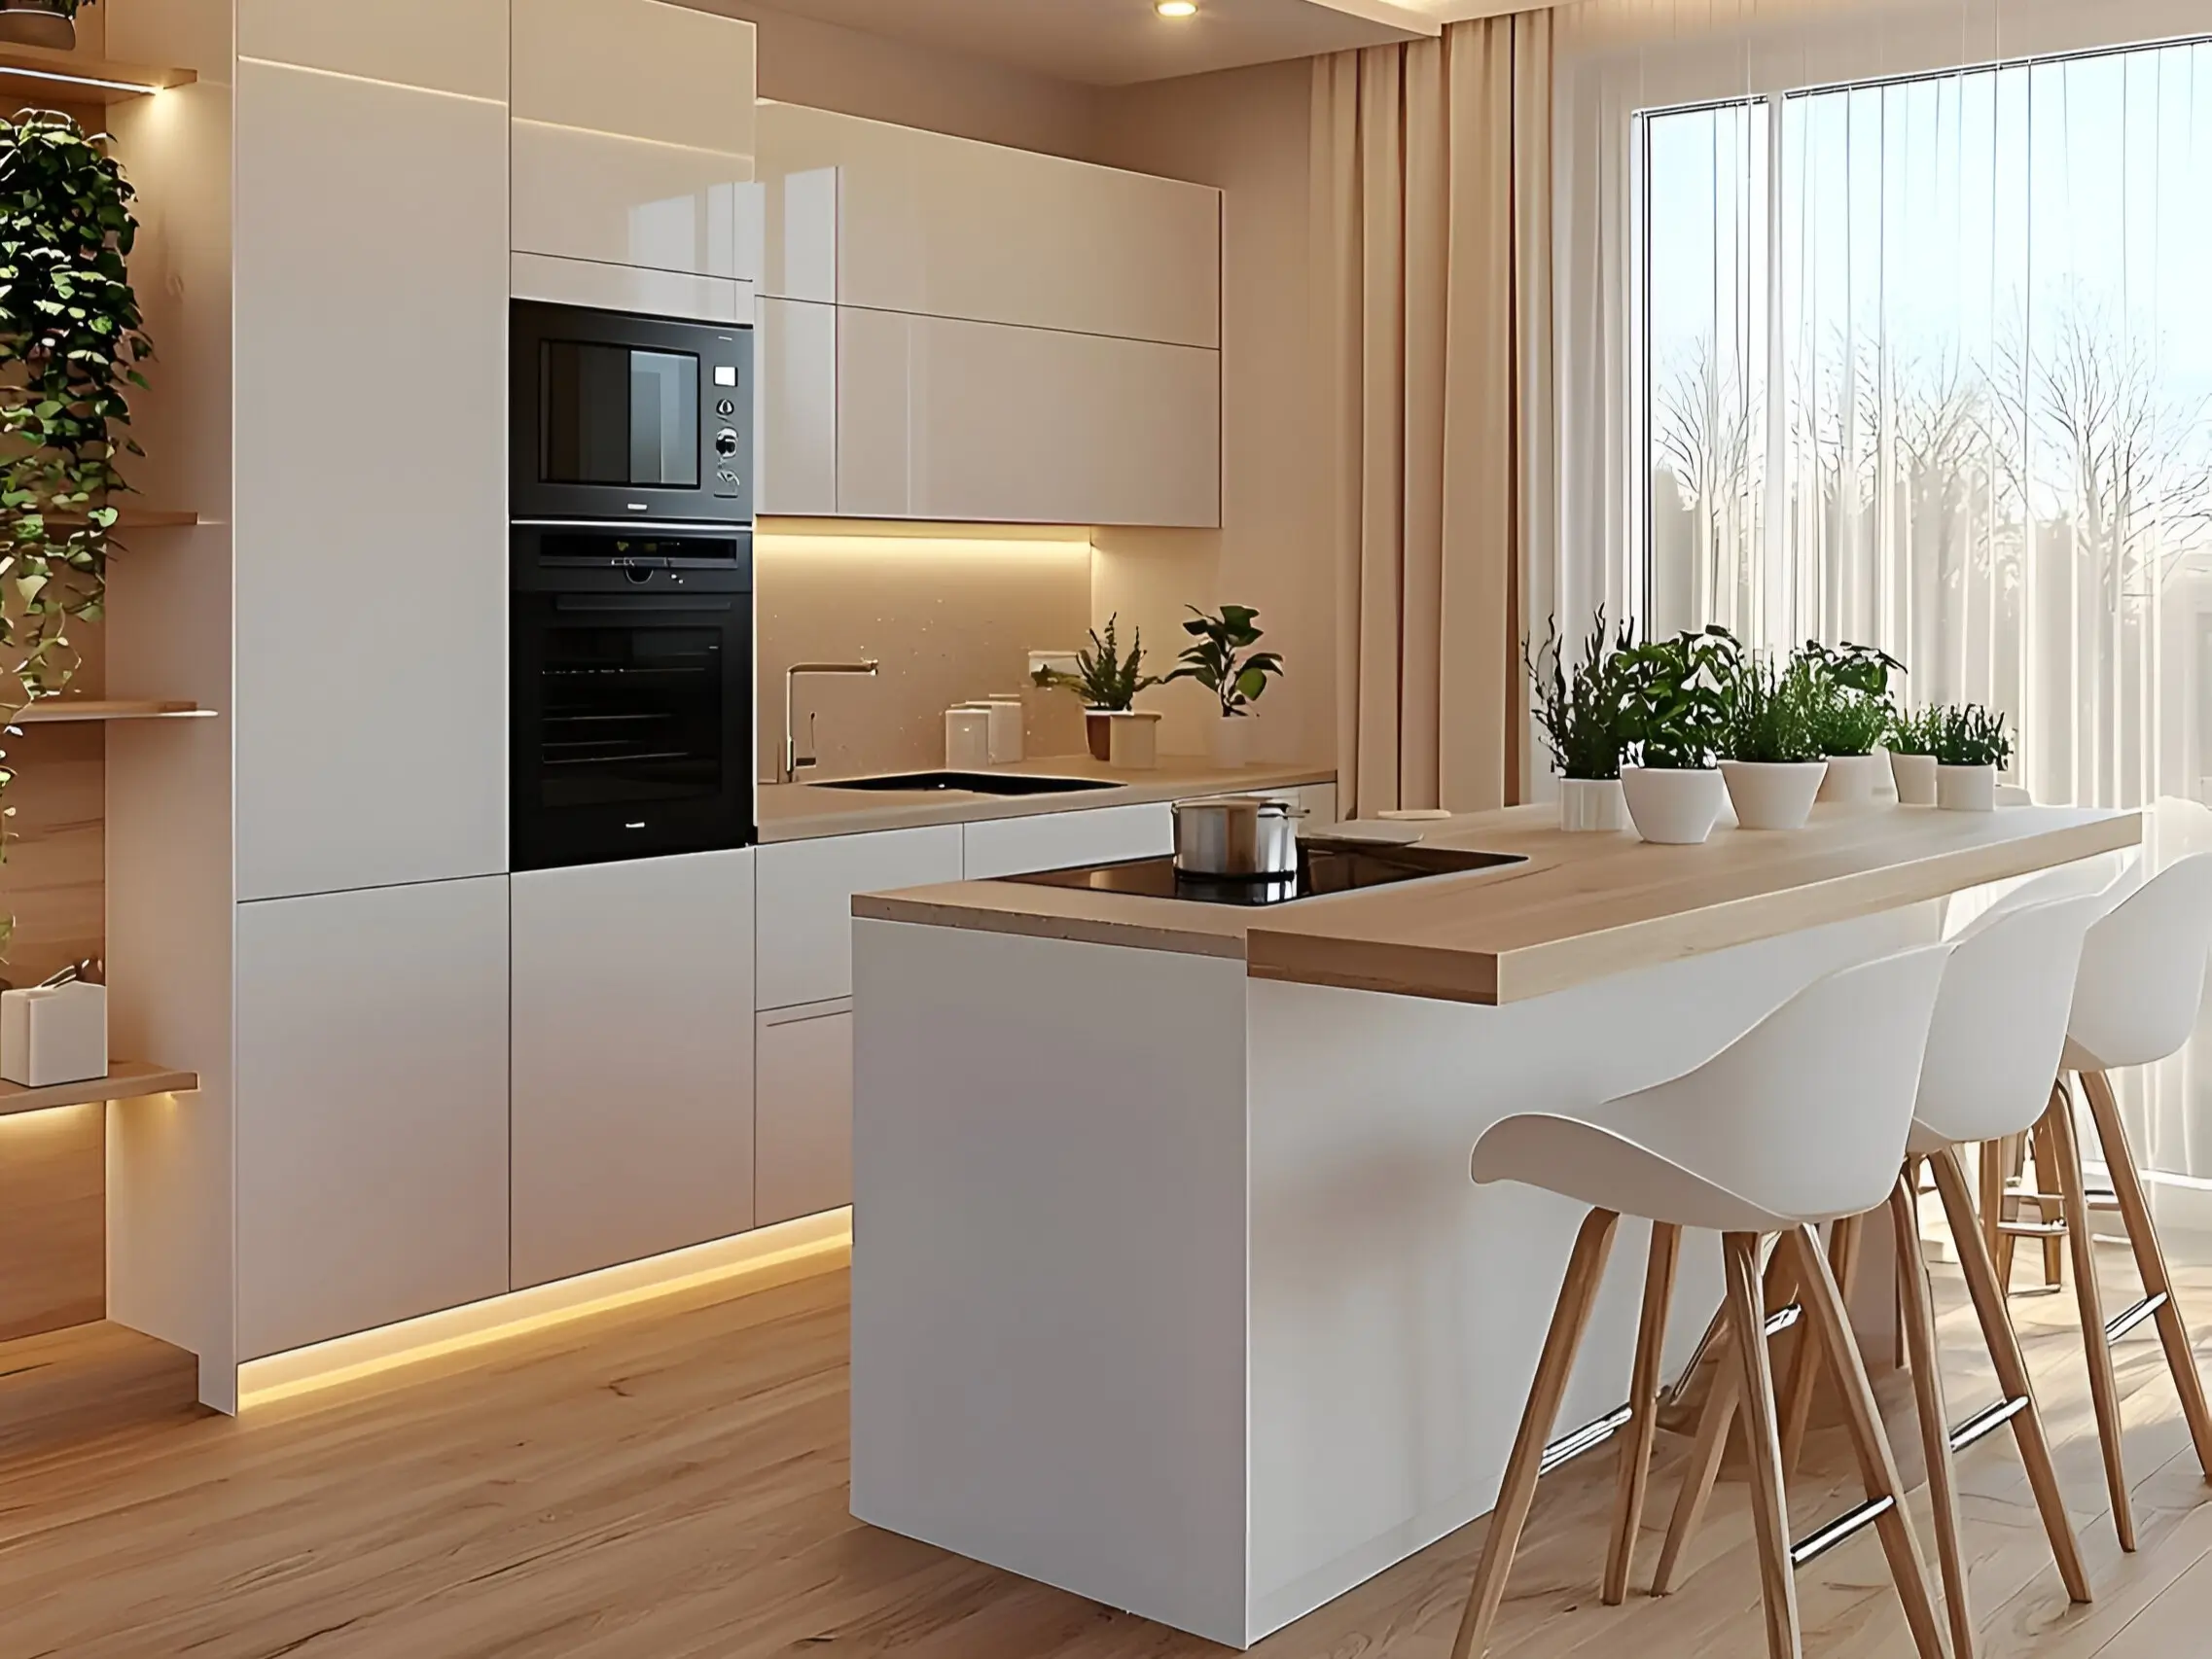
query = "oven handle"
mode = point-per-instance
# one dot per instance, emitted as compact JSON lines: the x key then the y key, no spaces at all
{"x":635,"y":602}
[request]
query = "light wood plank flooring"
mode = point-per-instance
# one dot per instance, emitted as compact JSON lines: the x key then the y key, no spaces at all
{"x":671,"y":1482}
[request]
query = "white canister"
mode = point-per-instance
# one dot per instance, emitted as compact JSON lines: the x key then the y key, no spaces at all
{"x":967,"y":738}
{"x":54,"y":1034}
{"x":1006,"y":716}
{"x":1133,"y":741}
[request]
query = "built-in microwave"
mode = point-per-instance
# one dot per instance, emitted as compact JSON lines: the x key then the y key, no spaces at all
{"x":619,"y":416}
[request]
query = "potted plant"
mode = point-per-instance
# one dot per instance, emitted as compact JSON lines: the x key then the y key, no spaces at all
{"x":1851,"y":714}
{"x":71,"y":338}
{"x":41,"y":22}
{"x":1769,"y":754}
{"x":1225,"y":663}
{"x":1577,"y":710}
{"x":1108,"y":683}
{"x":1971,"y":745}
{"x":1672,"y":710}
{"x":1912,"y":744}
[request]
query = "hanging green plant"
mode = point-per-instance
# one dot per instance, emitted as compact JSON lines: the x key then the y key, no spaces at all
{"x":71,"y":339}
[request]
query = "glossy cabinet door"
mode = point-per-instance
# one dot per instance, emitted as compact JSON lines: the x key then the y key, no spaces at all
{"x":633,"y":1060}
{"x":371,"y":1109}
{"x":798,"y":425}
{"x":633,"y":135}
{"x":446,"y":45}
{"x":804,"y":1140}
{"x":975,"y":421}
{"x":807,"y":888}
{"x":951,"y":228}
{"x":370,"y":429}
{"x":1060,"y":840}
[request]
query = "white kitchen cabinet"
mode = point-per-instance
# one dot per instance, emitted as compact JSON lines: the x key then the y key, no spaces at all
{"x":1058,"y":840}
{"x":804,"y":1142}
{"x":807,"y":888}
{"x":449,"y":46}
{"x":371,"y":1109}
{"x":798,"y":462}
{"x":948,"y":227}
{"x":977,"y":421}
{"x":633,"y":1060}
{"x":371,"y":493}
{"x":633,"y":135}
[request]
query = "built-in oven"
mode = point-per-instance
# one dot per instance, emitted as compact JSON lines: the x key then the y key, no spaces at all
{"x":632,"y":697}
{"x":618,"y":416}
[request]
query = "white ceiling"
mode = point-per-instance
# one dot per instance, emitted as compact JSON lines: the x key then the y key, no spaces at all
{"x":1112,"y":43}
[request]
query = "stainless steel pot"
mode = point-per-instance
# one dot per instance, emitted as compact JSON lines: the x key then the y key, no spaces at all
{"x":1236,"y":836}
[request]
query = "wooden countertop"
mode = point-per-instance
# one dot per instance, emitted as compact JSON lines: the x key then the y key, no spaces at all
{"x":799,"y":812}
{"x":1580,"y":908}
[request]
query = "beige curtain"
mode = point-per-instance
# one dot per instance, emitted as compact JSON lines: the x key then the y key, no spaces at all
{"x":1432,"y":279}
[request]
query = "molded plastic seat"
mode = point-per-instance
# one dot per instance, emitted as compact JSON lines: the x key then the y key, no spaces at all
{"x":2143,"y":967}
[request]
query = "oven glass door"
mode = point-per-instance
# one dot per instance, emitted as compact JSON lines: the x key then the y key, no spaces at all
{"x":636,"y":732}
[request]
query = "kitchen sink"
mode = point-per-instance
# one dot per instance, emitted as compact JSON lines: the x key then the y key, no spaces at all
{"x":967,"y":782}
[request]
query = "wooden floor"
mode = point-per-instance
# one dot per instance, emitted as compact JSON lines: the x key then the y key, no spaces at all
{"x":670,"y":1481}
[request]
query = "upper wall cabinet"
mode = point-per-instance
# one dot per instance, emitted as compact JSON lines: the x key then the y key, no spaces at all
{"x":444,"y":46}
{"x":908,"y":221}
{"x":633,"y":136}
{"x":372,"y":517}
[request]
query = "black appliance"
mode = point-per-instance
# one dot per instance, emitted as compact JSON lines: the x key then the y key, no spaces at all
{"x":632,"y":692}
{"x":623,"y":417}
{"x":1325,"y":865}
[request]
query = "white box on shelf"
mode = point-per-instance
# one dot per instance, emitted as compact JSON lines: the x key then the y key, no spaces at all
{"x":54,"y":1034}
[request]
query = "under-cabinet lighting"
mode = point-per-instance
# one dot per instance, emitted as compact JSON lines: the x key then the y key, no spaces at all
{"x":16,"y":72}
{"x":1177,"y":7}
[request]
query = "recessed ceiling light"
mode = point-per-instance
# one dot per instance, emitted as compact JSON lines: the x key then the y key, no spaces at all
{"x":1176,"y":8}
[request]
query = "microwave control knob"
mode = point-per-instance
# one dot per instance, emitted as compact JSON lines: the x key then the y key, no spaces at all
{"x":725,"y":442}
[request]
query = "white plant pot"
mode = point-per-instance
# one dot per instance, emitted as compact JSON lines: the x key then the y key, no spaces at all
{"x":1133,"y":742}
{"x":1966,"y":789}
{"x":1230,"y":740}
{"x":1852,"y":778}
{"x":1773,"y":795}
{"x":1592,"y":806}
{"x":1915,"y":776}
{"x":1674,"y":808}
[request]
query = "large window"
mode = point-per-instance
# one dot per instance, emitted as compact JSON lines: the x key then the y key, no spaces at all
{"x":1928,"y":363}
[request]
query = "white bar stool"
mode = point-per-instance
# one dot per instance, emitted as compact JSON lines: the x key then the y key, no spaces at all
{"x":1999,"y":1025}
{"x":2141,"y":984}
{"x":1802,"y":1121}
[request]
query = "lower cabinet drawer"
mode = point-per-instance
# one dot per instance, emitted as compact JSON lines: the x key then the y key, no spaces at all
{"x":1059,"y":840}
{"x":802,"y":1127}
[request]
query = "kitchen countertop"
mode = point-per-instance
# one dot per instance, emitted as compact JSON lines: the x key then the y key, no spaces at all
{"x":799,"y":812}
{"x":1582,"y":907}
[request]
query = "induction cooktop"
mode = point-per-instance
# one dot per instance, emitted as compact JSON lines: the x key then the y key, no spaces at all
{"x":1324,"y":866}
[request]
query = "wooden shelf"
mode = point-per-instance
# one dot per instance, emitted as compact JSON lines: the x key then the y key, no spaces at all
{"x":127,"y":1079}
{"x":78,"y":78}
{"x":139,"y":518}
{"x":62,"y":709}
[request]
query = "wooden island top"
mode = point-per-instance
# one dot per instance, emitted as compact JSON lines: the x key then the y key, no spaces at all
{"x":1580,"y":908}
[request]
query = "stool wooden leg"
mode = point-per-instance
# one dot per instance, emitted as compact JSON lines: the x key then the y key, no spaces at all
{"x":2011,"y":1365}
{"x":1877,"y":1467}
{"x":1932,"y":1413}
{"x":2054,"y":1247}
{"x":1995,"y":1161}
{"x":1770,"y":1512}
{"x":1642,"y":1399}
{"x":2104,"y":1390}
{"x":1804,"y":1375}
{"x":1586,"y":1268}
{"x":2150,"y":1260}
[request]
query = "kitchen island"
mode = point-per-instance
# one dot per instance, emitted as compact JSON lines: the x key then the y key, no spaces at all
{"x":1170,"y":1287}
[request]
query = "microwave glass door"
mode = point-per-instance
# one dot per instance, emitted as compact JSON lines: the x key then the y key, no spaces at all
{"x":612,"y":414}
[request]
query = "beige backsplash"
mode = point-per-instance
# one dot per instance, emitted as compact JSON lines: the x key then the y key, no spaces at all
{"x":950,"y":612}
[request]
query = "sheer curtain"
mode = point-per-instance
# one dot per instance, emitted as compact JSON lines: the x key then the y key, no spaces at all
{"x":1882,"y":321}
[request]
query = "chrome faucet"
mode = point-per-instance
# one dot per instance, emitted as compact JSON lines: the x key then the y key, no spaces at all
{"x":792,"y":758}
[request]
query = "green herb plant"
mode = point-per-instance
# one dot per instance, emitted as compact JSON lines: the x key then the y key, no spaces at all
{"x":1104,"y":677}
{"x":1220,"y":662}
{"x":1913,"y":732}
{"x":1674,"y":708}
{"x":1577,"y":708}
{"x":1769,"y":712}
{"x":1852,"y":709}
{"x":71,"y":339}
{"x":1968,"y":734}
